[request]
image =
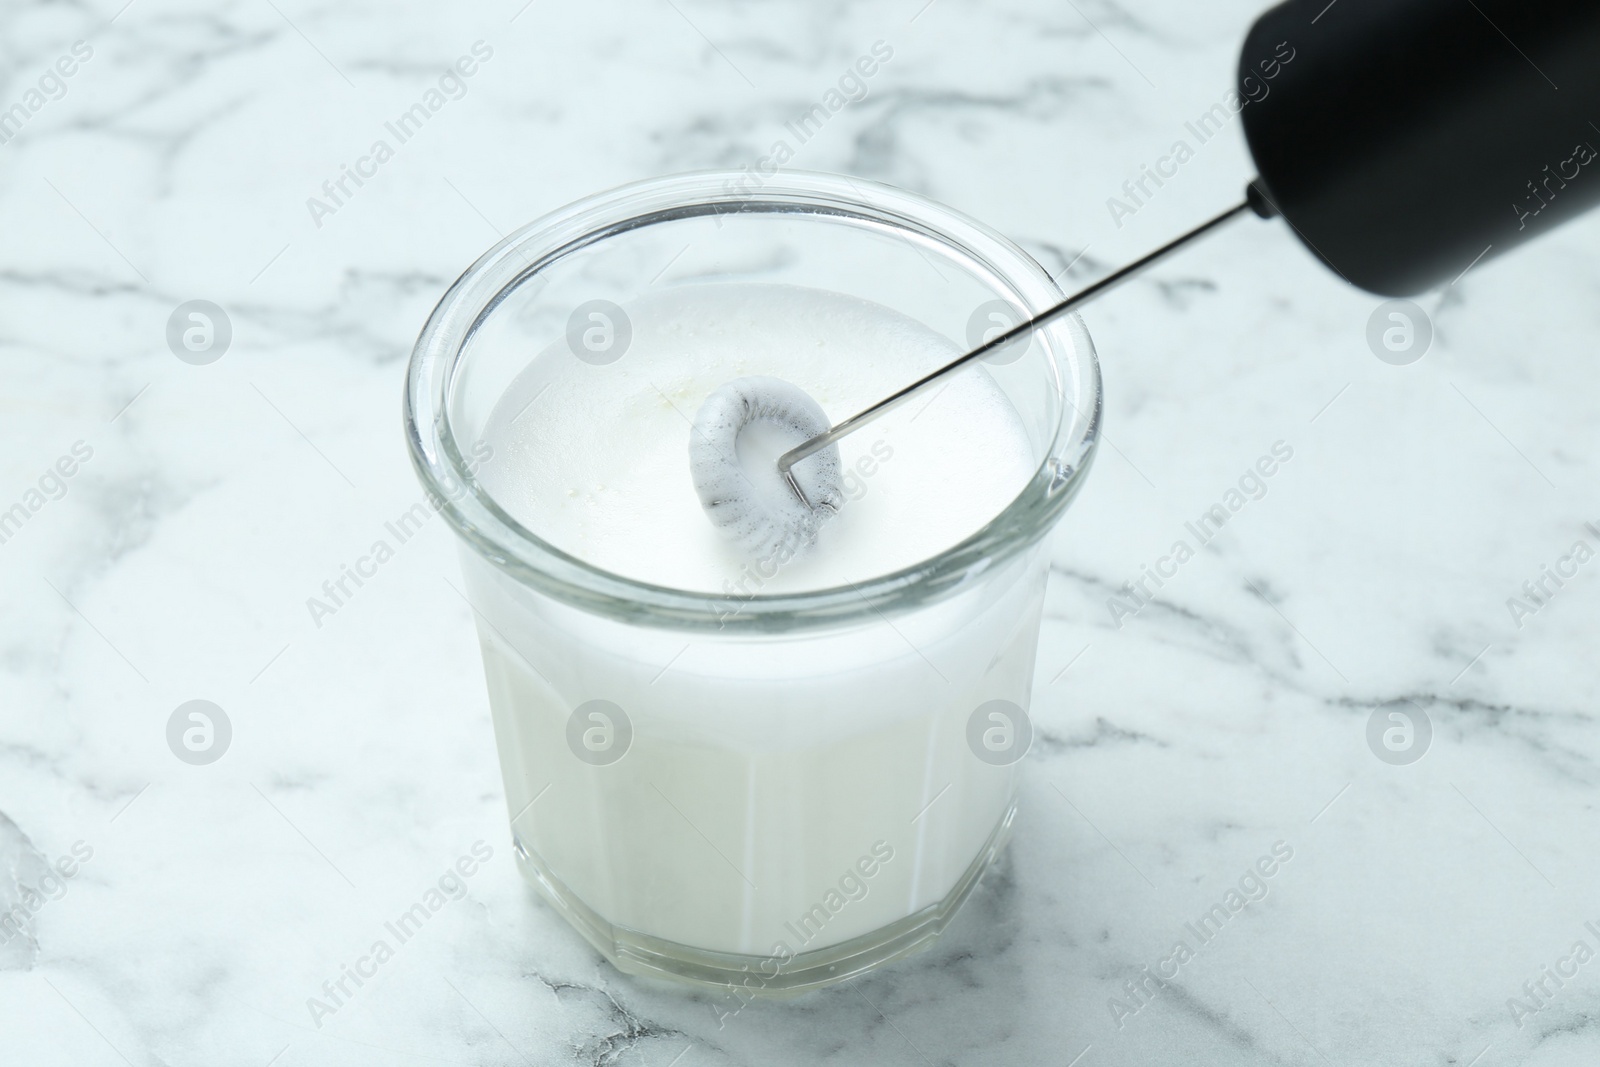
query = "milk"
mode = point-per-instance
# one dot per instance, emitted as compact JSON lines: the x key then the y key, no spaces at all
{"x":781,"y":793}
{"x":598,"y":464}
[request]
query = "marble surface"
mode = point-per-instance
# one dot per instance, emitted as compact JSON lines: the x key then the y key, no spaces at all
{"x":1177,"y":745}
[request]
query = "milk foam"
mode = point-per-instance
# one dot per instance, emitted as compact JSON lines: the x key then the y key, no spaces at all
{"x":594,"y":459}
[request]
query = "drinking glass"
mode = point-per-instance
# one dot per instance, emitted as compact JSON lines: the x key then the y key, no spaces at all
{"x":759,"y":790}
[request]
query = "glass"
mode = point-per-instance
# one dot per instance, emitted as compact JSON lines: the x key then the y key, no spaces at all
{"x":762,"y":791}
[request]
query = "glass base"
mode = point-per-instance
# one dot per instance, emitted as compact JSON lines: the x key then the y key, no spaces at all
{"x":633,"y":952}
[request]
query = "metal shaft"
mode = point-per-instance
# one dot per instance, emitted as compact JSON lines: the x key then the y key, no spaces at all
{"x":787,"y":461}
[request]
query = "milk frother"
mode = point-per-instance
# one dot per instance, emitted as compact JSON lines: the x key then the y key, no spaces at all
{"x":1404,"y":142}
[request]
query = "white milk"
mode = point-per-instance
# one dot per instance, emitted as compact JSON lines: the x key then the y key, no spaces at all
{"x":781,"y":792}
{"x":598,"y":465}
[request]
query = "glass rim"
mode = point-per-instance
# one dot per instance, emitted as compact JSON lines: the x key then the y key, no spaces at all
{"x":498,"y":537}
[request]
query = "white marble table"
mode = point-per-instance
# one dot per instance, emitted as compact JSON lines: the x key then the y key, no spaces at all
{"x":1227,"y":715}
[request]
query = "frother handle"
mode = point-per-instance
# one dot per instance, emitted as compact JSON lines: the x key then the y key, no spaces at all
{"x":1406,"y":140}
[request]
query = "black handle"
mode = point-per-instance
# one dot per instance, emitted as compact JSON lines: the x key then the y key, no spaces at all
{"x":1403,"y":140}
